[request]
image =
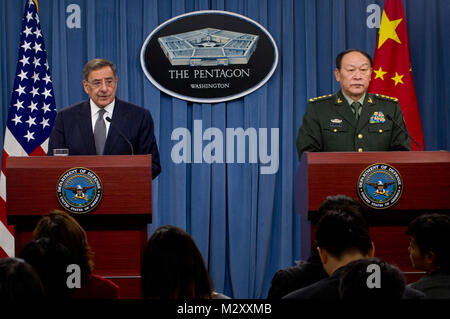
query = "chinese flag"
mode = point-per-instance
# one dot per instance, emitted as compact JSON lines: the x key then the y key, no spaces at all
{"x":392,"y":73}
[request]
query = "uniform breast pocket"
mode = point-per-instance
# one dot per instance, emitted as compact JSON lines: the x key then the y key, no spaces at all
{"x":379,"y":137}
{"x":336,"y":137}
{"x":380,"y":128}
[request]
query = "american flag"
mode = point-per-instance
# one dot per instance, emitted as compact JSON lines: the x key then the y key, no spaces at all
{"x":32,"y":110}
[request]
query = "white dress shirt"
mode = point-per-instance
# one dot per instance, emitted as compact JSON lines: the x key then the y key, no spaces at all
{"x":108,"y":113}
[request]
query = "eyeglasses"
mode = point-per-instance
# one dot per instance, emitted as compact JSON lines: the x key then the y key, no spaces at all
{"x":109,"y":82}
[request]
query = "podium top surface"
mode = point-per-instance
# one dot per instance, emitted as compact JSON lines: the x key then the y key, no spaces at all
{"x":65,"y":161}
{"x":365,"y":157}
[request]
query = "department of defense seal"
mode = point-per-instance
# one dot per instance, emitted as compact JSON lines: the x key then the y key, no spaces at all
{"x":79,"y":190}
{"x":380,"y":186}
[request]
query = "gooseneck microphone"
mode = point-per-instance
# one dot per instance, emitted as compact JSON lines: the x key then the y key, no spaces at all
{"x":389,"y":117}
{"x":121,"y":134}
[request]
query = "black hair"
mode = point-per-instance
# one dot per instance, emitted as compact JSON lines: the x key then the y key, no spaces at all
{"x":341,"y":55}
{"x":336,"y":202}
{"x":19,"y":281}
{"x":50,"y":259}
{"x":432,"y":233}
{"x":173,"y":267}
{"x":355,"y":281}
{"x":341,"y":230}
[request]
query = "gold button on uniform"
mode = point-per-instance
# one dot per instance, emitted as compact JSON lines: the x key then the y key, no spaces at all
{"x":335,"y":130}
{"x":380,"y":130}
{"x":360,"y":149}
{"x":360,"y":136}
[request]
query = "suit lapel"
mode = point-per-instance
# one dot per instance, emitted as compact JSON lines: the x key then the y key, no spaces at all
{"x":85,"y":124}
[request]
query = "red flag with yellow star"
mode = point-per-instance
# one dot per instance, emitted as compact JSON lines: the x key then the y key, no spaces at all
{"x":392,"y":73}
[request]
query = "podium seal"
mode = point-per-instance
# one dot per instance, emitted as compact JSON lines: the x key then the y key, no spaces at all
{"x":380,"y":186}
{"x":79,"y":190}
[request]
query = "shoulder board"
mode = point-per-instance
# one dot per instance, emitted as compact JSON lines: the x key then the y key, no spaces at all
{"x":321,"y":98}
{"x":385,"y":97}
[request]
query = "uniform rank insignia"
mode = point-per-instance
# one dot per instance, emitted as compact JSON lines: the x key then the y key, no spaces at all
{"x":377,"y":117}
{"x":336,"y":122}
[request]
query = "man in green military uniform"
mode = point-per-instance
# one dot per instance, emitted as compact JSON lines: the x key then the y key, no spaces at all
{"x":352,"y":120}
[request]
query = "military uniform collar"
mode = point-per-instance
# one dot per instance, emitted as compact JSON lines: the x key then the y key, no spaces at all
{"x":341,"y":97}
{"x":350,"y":101}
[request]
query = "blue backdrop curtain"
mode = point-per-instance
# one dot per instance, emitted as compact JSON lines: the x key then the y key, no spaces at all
{"x":243,"y":222}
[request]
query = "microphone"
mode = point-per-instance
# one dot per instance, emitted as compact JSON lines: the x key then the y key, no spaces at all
{"x":389,"y":117}
{"x":121,"y":134}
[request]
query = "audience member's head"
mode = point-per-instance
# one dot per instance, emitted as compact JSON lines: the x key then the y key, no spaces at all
{"x":63,"y":228}
{"x":429,"y":246}
{"x":50,"y":259}
{"x":342,"y":236}
{"x":336,"y":202}
{"x":371,"y":278}
{"x":19,"y":281}
{"x":173,"y":267}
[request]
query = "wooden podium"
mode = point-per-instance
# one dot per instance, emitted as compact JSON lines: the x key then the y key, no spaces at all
{"x":116,"y":228}
{"x":426,"y":188}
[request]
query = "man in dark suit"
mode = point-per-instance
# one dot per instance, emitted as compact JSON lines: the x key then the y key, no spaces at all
{"x":82,"y":128}
{"x":310,"y":271}
{"x":352,"y":120}
{"x":342,"y":236}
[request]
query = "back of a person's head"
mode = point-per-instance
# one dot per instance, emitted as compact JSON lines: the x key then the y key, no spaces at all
{"x":173,"y":267}
{"x":371,"y":278}
{"x":50,"y":259}
{"x":432,"y":234}
{"x":19,"y":281}
{"x":63,"y":228}
{"x":336,"y":202}
{"x":339,"y":231}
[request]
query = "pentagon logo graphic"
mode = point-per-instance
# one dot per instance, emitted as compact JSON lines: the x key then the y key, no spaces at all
{"x":79,"y":190}
{"x":209,"y":56}
{"x":208,"y":47}
{"x":380,"y":186}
